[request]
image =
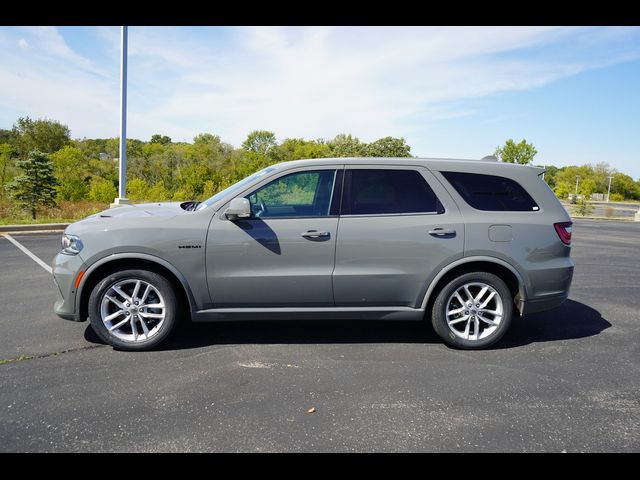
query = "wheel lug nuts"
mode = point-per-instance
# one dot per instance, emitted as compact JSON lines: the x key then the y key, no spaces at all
{"x":128,"y":313}
{"x":466,"y":312}
{"x":127,"y":304}
{"x":135,"y":303}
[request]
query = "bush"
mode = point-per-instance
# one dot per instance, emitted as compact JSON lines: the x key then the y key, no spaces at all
{"x":102,"y":190}
{"x":616,"y":197}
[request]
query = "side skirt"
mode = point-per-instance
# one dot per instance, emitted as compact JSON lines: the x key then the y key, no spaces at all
{"x":304,"y":313}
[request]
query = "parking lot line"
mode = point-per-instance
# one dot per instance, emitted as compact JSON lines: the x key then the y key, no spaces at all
{"x":27,"y":251}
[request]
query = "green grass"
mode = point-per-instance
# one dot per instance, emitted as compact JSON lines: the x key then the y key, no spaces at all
{"x":64,"y":212}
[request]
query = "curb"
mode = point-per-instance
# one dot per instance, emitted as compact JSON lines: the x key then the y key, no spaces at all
{"x":34,"y":228}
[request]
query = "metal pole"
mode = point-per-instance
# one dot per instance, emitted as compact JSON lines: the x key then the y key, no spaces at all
{"x":609,"y":189}
{"x":122,"y":189}
{"x":577,"y":179}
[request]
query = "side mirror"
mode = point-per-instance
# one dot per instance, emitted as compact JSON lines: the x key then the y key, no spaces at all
{"x":238,"y":208}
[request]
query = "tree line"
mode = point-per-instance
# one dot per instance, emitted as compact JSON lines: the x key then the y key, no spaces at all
{"x":40,"y":164}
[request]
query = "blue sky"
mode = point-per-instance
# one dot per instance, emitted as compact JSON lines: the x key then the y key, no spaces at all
{"x":449,"y":91}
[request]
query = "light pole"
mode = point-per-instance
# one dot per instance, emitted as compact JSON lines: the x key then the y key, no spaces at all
{"x":122,"y":169}
{"x":577,"y":180}
{"x":609,"y":189}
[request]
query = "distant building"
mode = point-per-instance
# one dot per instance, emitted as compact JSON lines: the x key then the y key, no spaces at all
{"x":103,"y":156}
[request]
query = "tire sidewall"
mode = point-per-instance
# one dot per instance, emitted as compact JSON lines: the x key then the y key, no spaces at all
{"x":439,"y":311}
{"x":158,"y":281}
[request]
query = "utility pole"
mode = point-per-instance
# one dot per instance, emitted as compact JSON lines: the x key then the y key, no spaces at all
{"x":609,"y":189}
{"x":122,"y":187}
{"x":577,"y":180}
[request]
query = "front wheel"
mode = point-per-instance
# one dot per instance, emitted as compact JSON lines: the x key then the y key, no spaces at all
{"x":472,"y":311}
{"x":133,"y":309}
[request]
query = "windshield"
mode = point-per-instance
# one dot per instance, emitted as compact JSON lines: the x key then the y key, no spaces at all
{"x":236,"y":186}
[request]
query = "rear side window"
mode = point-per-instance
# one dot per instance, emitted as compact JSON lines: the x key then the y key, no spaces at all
{"x":379,"y":191}
{"x":491,"y":192}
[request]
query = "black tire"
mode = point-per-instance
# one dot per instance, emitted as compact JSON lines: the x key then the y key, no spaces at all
{"x":439,"y":318}
{"x":159,"y":282}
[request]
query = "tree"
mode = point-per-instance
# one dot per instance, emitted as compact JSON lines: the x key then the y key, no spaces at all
{"x":521,"y":153}
{"x":44,"y":135}
{"x":388,"y":147}
{"x":346,"y":146}
{"x":7,"y":161}
{"x":260,"y":141}
{"x":161,"y":139}
{"x":71,"y":169}
{"x":37,"y":185}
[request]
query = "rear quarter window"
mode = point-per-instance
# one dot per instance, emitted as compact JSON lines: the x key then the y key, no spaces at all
{"x":491,"y":192}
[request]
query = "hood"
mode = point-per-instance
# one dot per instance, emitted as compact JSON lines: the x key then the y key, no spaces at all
{"x":164,"y":209}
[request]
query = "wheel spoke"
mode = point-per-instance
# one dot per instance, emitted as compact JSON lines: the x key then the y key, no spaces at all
{"x":466,"y":328}
{"x":119,"y":291}
{"x":492,"y":312}
{"x":151,"y":315}
{"x":134,"y":330}
{"x":154,"y":305}
{"x":490,"y":322}
{"x":462,"y":302}
{"x":114,"y":315}
{"x":481,"y":294}
{"x":136,"y":289}
{"x":469,"y":296}
{"x":145,"y":329}
{"x":118,"y":304}
{"x":458,"y":320}
{"x":144,"y":295}
{"x":487,"y":300}
{"x":476,"y":326}
{"x":450,"y":312}
{"x":118,"y":325}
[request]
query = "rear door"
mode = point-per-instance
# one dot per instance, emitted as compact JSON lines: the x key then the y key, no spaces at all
{"x":398,"y":228}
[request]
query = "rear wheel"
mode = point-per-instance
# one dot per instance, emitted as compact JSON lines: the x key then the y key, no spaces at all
{"x":133,"y":309}
{"x":473,"y":311}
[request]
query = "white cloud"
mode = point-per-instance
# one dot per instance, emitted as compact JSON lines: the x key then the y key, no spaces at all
{"x":299,"y":82}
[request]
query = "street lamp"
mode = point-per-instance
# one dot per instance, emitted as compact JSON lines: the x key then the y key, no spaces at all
{"x":122,"y":169}
{"x":577,"y":180}
{"x":609,"y":189}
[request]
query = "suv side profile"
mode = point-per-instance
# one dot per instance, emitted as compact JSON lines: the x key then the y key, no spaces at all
{"x":466,"y":244}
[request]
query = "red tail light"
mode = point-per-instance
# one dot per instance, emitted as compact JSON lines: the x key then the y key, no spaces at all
{"x":564,"y":231}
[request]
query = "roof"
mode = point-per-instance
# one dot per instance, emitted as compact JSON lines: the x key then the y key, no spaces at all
{"x":431,"y":163}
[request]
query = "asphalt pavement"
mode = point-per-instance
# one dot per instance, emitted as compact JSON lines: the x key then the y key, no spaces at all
{"x":564,"y":380}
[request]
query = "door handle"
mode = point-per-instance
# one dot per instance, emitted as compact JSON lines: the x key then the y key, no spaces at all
{"x":314,"y":234}
{"x":441,"y":232}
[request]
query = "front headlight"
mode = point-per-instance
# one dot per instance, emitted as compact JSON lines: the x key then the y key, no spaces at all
{"x":71,"y":244}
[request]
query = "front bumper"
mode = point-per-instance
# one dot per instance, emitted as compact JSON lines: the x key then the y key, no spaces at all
{"x":65,"y":269}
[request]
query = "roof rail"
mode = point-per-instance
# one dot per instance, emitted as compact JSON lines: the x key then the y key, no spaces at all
{"x":490,"y":158}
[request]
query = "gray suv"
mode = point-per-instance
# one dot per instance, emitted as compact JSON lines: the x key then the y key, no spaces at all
{"x":463,"y":243}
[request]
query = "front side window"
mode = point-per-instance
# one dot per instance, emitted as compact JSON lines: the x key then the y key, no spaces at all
{"x":300,"y":194}
{"x":380,"y":191}
{"x":491,"y":192}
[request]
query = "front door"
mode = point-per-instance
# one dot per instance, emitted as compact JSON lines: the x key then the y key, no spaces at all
{"x":283,"y":256}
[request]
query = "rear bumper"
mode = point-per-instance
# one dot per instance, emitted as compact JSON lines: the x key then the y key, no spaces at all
{"x":543,"y":304}
{"x":553,"y":289}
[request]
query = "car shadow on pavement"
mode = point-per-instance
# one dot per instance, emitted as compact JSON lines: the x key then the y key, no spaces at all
{"x":572,"y":320}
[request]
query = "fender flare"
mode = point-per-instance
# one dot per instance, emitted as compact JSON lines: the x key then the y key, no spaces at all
{"x":477,"y":258}
{"x":136,"y":256}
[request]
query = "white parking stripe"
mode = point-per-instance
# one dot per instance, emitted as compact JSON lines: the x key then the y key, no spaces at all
{"x":25,"y":250}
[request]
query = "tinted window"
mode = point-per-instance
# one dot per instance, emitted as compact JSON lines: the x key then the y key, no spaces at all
{"x":300,"y":194}
{"x":490,"y":192}
{"x":387,"y":191}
